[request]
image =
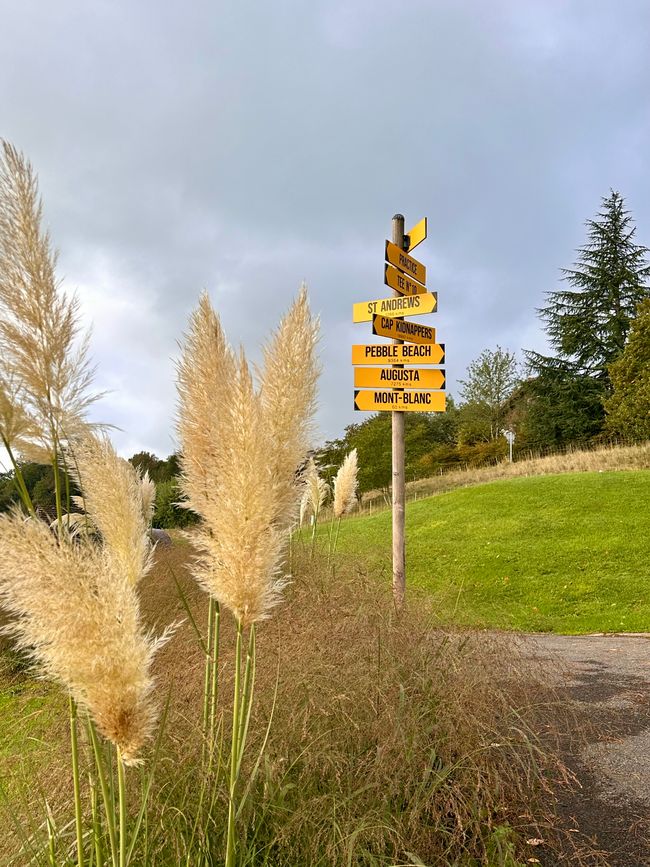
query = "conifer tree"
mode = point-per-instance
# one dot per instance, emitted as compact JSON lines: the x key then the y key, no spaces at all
{"x":588,"y":322}
{"x":628,"y":409}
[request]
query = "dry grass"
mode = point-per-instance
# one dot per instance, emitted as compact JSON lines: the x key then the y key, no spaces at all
{"x":611,"y":457}
{"x":388,"y":736}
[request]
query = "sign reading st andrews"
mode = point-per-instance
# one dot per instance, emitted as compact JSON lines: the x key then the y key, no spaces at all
{"x":411,"y":305}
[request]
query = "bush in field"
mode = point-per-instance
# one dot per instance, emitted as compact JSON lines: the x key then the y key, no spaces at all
{"x":167,"y":513}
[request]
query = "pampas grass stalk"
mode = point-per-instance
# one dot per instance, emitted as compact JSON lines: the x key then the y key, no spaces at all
{"x":241,"y":450}
{"x":76,"y":614}
{"x":78,"y":812}
{"x":315,"y":491}
{"x":43,"y":352}
{"x":345,"y":494}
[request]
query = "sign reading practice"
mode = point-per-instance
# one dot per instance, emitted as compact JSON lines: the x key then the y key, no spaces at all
{"x":399,"y":353}
{"x":416,"y":235}
{"x":401,"y":283}
{"x":405,"y":263}
{"x":398,"y":377}
{"x":402,"y":329}
{"x":400,"y":401}
{"x":402,"y":305}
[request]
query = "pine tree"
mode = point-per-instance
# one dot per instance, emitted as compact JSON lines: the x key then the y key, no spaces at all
{"x":628,"y":409}
{"x":588,"y":323}
{"x":587,"y":326}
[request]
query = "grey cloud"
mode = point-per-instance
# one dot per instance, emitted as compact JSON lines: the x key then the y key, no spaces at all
{"x":247,"y":146}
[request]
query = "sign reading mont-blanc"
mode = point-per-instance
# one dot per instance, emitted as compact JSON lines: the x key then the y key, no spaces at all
{"x":401,"y":283}
{"x":399,"y":353}
{"x":405,"y":263}
{"x":402,"y":329}
{"x":398,"y":377}
{"x":403,"y":401}
{"x":402,"y":305}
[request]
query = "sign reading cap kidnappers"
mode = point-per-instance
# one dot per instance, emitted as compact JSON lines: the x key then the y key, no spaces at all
{"x":402,"y":329}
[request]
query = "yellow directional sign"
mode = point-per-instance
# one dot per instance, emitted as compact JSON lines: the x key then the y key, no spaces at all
{"x":400,"y":401}
{"x":405,"y":263}
{"x":399,"y":353}
{"x":398,"y":377}
{"x":402,"y":329}
{"x":402,"y":305}
{"x":416,"y":235}
{"x":401,"y":283}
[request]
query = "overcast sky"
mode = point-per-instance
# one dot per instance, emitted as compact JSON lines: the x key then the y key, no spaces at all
{"x":246,"y":146}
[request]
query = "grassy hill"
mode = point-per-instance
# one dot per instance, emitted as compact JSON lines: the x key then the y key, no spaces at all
{"x":565,"y":553}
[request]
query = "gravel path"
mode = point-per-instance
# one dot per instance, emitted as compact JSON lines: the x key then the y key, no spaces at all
{"x":607,"y":680}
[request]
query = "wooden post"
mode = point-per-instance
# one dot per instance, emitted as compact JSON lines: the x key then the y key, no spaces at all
{"x":398,"y":480}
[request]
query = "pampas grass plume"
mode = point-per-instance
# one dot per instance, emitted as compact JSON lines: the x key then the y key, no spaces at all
{"x":288,"y":390}
{"x":75,"y":608}
{"x":241,"y":450}
{"x":345,"y":485}
{"x":40,"y":344}
{"x":118,"y":503}
{"x":314,"y":494}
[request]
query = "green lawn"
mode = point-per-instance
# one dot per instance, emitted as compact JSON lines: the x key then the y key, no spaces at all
{"x":565,"y":553}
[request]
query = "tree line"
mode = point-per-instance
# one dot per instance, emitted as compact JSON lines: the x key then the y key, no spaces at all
{"x":593,"y":386}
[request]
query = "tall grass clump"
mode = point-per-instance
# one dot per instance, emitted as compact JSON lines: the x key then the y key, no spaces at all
{"x":46,"y":376}
{"x":242,"y":448}
{"x":345,"y":494}
{"x":315,"y":491}
{"x":71,"y":598}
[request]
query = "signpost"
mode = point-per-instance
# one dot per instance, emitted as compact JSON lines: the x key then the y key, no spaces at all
{"x":415,"y":235}
{"x":400,"y":306}
{"x":397,"y":257}
{"x":400,"y":388}
{"x":400,"y":282}
{"x":399,"y":353}
{"x":403,"y":401}
{"x":402,"y":329}
{"x":398,"y":377}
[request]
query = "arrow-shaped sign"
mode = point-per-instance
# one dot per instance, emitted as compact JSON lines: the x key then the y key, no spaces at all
{"x":416,"y":235}
{"x":399,"y":353}
{"x":405,"y":263}
{"x":398,"y":377}
{"x":399,"y":401}
{"x":400,"y":282}
{"x":402,"y":305}
{"x":402,"y":329}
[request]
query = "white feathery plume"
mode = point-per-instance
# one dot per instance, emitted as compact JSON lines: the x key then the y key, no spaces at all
{"x":345,"y":485}
{"x":240,"y":452}
{"x":113,"y":501}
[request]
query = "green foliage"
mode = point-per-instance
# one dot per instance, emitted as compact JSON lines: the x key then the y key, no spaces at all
{"x":424,"y":433}
{"x":168,"y":513}
{"x":39,"y":480}
{"x":491,"y":379}
{"x":559,"y":553}
{"x":587,"y":325}
{"x":628,"y":409}
{"x":159,"y":470}
{"x":559,"y":408}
